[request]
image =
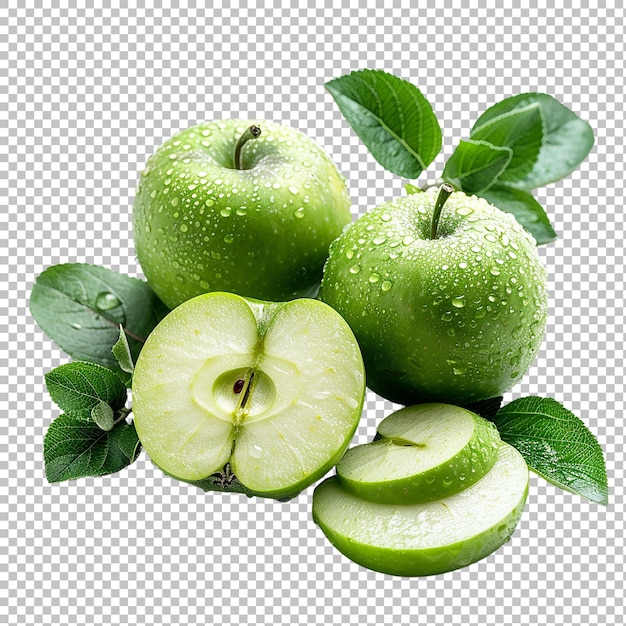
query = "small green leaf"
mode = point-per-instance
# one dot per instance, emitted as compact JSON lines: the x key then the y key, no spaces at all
{"x":527,"y":211}
{"x":476,"y":165}
{"x":102,"y":414}
{"x":567,"y":139}
{"x":75,"y":449}
{"x":80,"y":307}
{"x":556,"y":445}
{"x":121,"y":351}
{"x":521,"y":130}
{"x":128,"y":442}
{"x":391,"y":117}
{"x":80,"y":386}
{"x":411,"y":189}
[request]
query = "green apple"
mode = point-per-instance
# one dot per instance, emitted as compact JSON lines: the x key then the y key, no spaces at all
{"x":431,"y":537}
{"x":447,"y":298}
{"x":244,"y":206}
{"x":267,"y":393}
{"x":425,"y":452}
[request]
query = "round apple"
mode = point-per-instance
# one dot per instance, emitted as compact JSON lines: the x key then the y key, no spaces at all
{"x":268,"y":394}
{"x":447,"y":298}
{"x":243,"y":206}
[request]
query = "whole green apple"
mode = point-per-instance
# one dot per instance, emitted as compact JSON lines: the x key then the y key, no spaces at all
{"x":445,"y":293}
{"x":243,"y":206}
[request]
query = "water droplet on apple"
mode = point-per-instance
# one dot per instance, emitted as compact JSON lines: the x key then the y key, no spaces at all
{"x":458,"y":302}
{"x":355,"y":269}
{"x":386,"y":286}
{"x":299,"y":213}
{"x":241,"y":210}
{"x":228,"y":239}
{"x":379,"y":240}
{"x":226,"y":211}
{"x":349,"y":253}
{"x":385,"y":217}
{"x":256,"y":451}
{"x":407,"y":240}
{"x":76,"y":326}
{"x":464,"y":210}
{"x":209,"y":202}
{"x":183,"y":228}
{"x":447,"y":316}
{"x":494,"y":271}
{"x":374,"y":278}
{"x":320,"y":395}
{"x":106,"y":301}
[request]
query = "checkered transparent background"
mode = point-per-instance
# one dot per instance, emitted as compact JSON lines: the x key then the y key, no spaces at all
{"x":85,"y":97}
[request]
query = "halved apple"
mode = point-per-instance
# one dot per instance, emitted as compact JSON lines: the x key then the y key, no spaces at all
{"x":261,"y":397}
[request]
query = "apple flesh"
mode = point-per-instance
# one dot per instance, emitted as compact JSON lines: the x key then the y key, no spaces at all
{"x":269,"y":393}
{"x":425,"y":452}
{"x":456,"y":318}
{"x":261,"y":229}
{"x":431,"y":537}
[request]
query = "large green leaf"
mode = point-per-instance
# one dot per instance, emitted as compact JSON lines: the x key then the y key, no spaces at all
{"x":392,"y":118}
{"x":567,"y":139}
{"x":556,"y":445}
{"x":81,"y":307}
{"x":520,"y":130}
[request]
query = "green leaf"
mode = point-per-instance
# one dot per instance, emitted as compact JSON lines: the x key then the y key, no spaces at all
{"x":128,"y":442}
{"x":567,"y":140}
{"x":102,"y":414}
{"x":121,"y":351}
{"x":411,"y":189}
{"x":556,"y":445}
{"x":521,"y":130}
{"x":81,"y":386}
{"x":391,"y":117}
{"x":527,"y":211}
{"x":75,"y":449}
{"x":81,"y":307}
{"x":476,"y":165}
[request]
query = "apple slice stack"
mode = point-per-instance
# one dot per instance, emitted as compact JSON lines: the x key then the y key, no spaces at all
{"x":435,"y":491}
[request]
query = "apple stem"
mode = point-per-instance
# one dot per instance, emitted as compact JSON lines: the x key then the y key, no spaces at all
{"x":250,"y":133}
{"x":444,"y":193}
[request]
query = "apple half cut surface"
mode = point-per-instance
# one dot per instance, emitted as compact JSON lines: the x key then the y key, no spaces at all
{"x":425,"y":452}
{"x":260,"y":396}
{"x":431,"y":537}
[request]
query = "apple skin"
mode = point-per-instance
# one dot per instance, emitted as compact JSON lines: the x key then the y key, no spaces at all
{"x":454,"y":319}
{"x":262,"y":231}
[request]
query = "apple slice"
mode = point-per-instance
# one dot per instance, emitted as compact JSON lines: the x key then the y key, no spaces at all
{"x":431,"y":537}
{"x":269,"y":393}
{"x":426,"y":452}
